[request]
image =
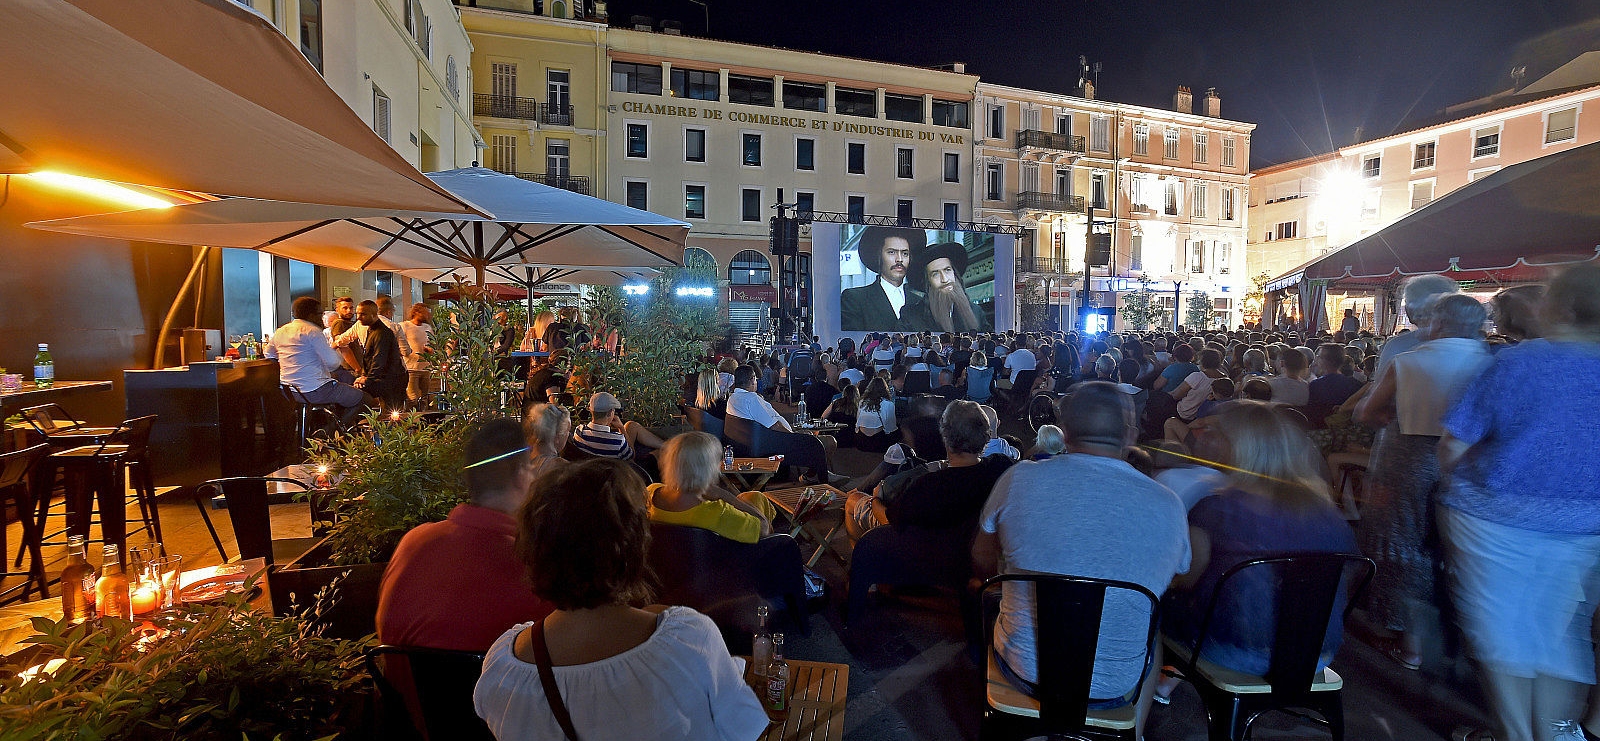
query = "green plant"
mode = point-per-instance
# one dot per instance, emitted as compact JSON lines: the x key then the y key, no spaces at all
{"x":1198,"y":311}
{"x":464,"y":337}
{"x":1255,"y":299}
{"x":1139,"y":308}
{"x":223,"y":672}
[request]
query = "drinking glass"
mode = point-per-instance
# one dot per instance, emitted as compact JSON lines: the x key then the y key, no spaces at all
{"x":166,"y":570}
{"x":140,"y":556}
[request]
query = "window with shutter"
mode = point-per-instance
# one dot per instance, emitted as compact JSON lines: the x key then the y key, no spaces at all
{"x":1561,"y":126}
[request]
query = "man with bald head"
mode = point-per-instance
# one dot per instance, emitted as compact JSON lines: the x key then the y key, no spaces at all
{"x":1085,"y":513}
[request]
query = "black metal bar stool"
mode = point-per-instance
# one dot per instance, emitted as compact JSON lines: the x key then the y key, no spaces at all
{"x":21,"y":479}
{"x":132,"y":439}
{"x":95,"y":477}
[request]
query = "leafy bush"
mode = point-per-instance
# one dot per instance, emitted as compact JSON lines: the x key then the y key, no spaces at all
{"x":1139,"y":308}
{"x":225,"y":672}
{"x":1198,"y":312}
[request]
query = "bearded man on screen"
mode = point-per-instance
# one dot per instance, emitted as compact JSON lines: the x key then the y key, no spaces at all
{"x":881,"y":305}
{"x":938,"y":272}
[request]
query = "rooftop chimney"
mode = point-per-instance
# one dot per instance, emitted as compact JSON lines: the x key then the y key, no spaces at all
{"x":672,"y":28}
{"x":642,"y":23}
{"x":1211,"y":103}
{"x":1183,"y":100}
{"x":959,"y":68}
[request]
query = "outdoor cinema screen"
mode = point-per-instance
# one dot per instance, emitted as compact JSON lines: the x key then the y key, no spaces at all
{"x":900,"y":279}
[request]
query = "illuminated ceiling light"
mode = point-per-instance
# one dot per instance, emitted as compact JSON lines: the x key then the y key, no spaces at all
{"x":101,"y":189}
{"x":636,"y":290}
{"x":701,"y":291}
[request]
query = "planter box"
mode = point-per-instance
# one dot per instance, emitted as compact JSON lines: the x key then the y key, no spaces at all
{"x":353,"y":615}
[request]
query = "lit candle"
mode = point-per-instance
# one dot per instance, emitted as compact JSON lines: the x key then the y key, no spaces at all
{"x":322,"y":477}
{"x":145,"y":597}
{"x":395,"y":415}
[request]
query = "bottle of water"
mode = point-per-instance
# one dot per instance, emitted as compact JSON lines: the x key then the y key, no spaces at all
{"x":761,"y":644}
{"x":44,"y":367}
{"x":778,"y":679}
{"x":727,"y":457}
{"x":800,"y":413}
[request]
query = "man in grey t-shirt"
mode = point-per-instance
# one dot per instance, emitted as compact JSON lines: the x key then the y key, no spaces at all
{"x":1087,"y":513}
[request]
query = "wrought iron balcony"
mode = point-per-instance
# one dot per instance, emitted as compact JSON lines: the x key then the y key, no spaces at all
{"x":574,"y":183}
{"x":504,"y":106}
{"x":1043,"y":266}
{"x":1037,"y":201}
{"x":1049,"y":140}
{"x":555,"y":115}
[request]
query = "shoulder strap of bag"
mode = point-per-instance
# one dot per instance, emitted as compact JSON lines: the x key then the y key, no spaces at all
{"x":547,"y":677}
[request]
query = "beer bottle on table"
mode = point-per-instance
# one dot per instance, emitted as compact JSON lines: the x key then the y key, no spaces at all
{"x":78,"y":582}
{"x":44,"y":367}
{"x":777,"y":700}
{"x":111,"y":591}
{"x":761,"y":644}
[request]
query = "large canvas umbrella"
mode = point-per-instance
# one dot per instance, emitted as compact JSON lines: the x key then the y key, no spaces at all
{"x":197,"y":95}
{"x":533,"y":224}
{"x":527,"y":278}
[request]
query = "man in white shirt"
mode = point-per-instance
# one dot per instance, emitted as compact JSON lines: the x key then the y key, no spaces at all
{"x":306,"y":360}
{"x":745,"y":403}
{"x":358,"y":332}
{"x":1021,"y":359}
{"x":805,"y":451}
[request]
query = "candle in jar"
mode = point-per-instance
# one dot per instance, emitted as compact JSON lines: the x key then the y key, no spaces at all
{"x":144,"y":597}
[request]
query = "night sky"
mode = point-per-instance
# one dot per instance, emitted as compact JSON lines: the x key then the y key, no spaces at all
{"x":1307,"y":72}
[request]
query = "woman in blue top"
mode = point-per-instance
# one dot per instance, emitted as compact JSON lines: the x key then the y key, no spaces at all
{"x":1520,"y":518}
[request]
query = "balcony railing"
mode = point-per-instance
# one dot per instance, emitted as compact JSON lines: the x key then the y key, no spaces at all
{"x":1044,"y":265}
{"x":555,"y":115}
{"x":574,"y":183}
{"x":1049,"y":140}
{"x":504,"y":106}
{"x":1049,"y":202}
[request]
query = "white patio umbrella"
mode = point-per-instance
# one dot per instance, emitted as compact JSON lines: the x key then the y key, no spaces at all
{"x":534,"y":224}
{"x":195,"y":95}
{"x":531,"y":277}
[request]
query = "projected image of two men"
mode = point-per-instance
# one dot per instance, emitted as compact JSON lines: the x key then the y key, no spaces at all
{"x":896,"y":279}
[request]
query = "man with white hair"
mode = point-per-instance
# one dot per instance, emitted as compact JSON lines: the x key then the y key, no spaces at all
{"x":1418,"y":294}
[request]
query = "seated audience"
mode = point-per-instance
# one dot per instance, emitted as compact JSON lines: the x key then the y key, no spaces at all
{"x":875,"y":420}
{"x":547,"y":427}
{"x":1177,"y":470}
{"x":709,"y":396}
{"x":423,"y":591}
{"x":606,"y":435}
{"x":997,"y":444}
{"x":1049,"y":441}
{"x":805,"y":451}
{"x":1334,"y":384}
{"x":689,"y":493}
{"x":1290,"y":386}
{"x":621,"y":671}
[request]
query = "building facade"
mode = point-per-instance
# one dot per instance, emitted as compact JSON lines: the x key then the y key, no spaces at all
{"x":1166,"y":186}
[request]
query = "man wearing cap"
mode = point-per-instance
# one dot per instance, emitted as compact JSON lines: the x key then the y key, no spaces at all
{"x":606,"y":435}
{"x":1085,"y":513}
{"x":938,"y":272}
{"x":881,"y":304}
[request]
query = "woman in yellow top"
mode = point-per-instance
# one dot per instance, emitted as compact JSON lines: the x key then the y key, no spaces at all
{"x":689,"y":494}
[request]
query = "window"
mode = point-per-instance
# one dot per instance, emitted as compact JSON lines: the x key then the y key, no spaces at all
{"x":503,"y":154}
{"x":902,"y":162}
{"x":558,"y":157}
{"x":1268,"y":238}
{"x":750,"y":149}
{"x":856,"y":207}
{"x":503,"y":80}
{"x":855,"y":158}
{"x":311,"y":31}
{"x":694,"y":145}
{"x":694,"y":201}
{"x":1141,"y":138}
{"x":1135,"y":252}
{"x":420,"y":27}
{"x":638,"y":140}
{"x":750,"y":90}
{"x":1099,"y":134}
{"x":627,"y":77}
{"x":997,"y":121}
{"x":993,"y":190}
{"x":558,"y":96}
{"x":380,"y":114}
{"x":452,"y":77}
{"x":805,"y":202}
{"x":1561,"y":126}
{"x":1287,"y":230}
{"x":1199,"y":196}
{"x":1063,"y":182}
{"x":1200,"y":141}
{"x":750,"y":204}
{"x":1172,"y":198}
{"x":1369,"y":204}
{"x":1421,"y":194}
{"x":952,"y":167}
{"x":695,"y":84}
{"x":805,"y":96}
{"x":1476,"y":175}
{"x":850,"y":102}
{"x":1422,"y":156}
{"x":1372,"y":166}
{"x":805,"y":154}
{"x":1064,"y":125}
{"x":952,"y":215}
{"x":906,"y":108}
{"x":749,"y":268}
{"x":902,"y":211}
{"x":1097,"y":189}
{"x":1197,"y":256}
{"x":950,"y":113}
{"x":1170,"y":144}
{"x":1224,"y":259}
{"x":1486,"y":142}
{"x":1227,"y":151}
{"x":1228,"y":194}
{"x":638,"y":195}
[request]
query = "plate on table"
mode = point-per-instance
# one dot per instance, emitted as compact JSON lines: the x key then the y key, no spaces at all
{"x":216,"y":582}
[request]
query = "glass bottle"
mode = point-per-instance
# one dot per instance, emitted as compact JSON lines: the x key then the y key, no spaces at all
{"x":111,"y":591}
{"x":78,"y":582}
{"x":761,"y":644}
{"x":778,"y":678}
{"x":800,"y":411}
{"x":44,"y":367}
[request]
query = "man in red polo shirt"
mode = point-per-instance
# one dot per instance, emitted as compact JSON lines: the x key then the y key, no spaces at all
{"x":458,"y":584}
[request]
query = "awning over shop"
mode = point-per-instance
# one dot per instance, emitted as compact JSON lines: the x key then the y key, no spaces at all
{"x":193,"y":95}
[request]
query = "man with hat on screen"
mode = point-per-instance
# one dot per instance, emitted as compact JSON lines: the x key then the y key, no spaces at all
{"x":881,"y":304}
{"x":938,"y":272}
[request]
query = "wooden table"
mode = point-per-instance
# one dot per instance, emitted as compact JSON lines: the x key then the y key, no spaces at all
{"x":825,"y":428}
{"x":31,"y":395}
{"x":817,"y":692}
{"x":750,"y":474}
{"x":819,"y":526}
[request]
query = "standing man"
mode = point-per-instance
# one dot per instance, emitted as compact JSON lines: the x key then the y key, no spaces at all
{"x":306,"y":361}
{"x":1351,"y":326}
{"x":386,"y":315}
{"x":344,"y":309}
{"x":383,"y":369}
{"x":938,"y":272}
{"x":880,"y":305}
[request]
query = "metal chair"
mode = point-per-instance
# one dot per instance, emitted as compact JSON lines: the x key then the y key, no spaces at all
{"x":1067,"y":612}
{"x":60,"y":429}
{"x":1305,"y":590}
{"x":21,"y":479}
{"x":246,"y":497}
{"x":435,"y":687}
{"x":306,"y":407}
